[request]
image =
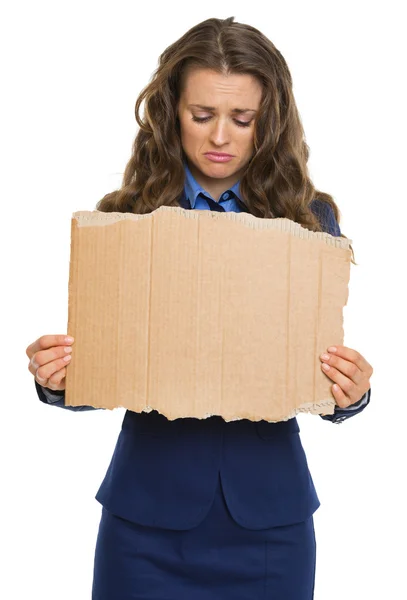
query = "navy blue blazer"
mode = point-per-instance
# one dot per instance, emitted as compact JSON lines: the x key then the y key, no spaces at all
{"x":164,"y":473}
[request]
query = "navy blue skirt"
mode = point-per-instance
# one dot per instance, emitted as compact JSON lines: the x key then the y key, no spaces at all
{"x":217,"y":560}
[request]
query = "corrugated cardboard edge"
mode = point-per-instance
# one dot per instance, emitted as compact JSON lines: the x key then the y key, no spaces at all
{"x":328,"y":407}
{"x":308,"y":407}
{"x":93,"y":218}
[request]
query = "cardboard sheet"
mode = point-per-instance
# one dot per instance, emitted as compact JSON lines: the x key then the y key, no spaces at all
{"x":200,"y":313}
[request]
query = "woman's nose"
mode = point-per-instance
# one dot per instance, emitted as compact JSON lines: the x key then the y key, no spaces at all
{"x":220,"y":133}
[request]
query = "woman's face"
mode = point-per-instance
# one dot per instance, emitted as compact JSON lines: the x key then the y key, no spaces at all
{"x":216,"y":100}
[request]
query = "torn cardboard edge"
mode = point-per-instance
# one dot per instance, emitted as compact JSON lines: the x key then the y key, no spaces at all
{"x":93,"y":218}
{"x":123,"y":287}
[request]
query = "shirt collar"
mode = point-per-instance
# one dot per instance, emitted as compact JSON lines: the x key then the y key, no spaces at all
{"x":193,"y":189}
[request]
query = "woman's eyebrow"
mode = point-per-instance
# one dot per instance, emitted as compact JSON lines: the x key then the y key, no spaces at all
{"x":235,"y":110}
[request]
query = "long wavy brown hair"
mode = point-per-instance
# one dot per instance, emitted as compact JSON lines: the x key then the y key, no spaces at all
{"x":276,"y":182}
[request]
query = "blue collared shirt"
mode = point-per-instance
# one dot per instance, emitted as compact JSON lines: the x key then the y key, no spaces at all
{"x":197,"y":198}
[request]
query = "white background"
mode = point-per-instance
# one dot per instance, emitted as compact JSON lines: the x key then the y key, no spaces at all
{"x":71,"y":73}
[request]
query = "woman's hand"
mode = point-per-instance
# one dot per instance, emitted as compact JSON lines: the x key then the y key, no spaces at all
{"x":350,"y":372}
{"x":49,"y":357}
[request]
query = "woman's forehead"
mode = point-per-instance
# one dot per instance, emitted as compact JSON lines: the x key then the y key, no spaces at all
{"x":203,"y":87}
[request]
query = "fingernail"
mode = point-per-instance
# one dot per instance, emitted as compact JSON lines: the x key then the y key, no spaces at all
{"x":69,"y":339}
{"x":325,"y":356}
{"x":332,"y":349}
{"x":325,"y":367}
{"x":66,"y":358}
{"x":67,"y":348}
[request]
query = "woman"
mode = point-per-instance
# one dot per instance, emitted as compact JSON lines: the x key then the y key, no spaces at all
{"x":204,"y":509}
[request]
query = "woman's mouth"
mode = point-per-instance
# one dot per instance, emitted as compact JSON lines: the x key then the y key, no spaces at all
{"x":218,"y":157}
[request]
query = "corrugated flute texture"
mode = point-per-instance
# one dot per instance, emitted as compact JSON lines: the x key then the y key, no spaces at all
{"x":200,"y":313}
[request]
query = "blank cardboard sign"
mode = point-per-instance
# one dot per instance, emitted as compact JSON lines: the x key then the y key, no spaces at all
{"x":200,"y":313}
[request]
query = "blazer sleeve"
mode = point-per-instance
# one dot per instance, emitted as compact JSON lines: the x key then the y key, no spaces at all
{"x":326,"y":217}
{"x":57,"y":398}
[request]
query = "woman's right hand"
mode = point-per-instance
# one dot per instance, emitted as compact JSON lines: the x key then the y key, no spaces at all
{"x":49,"y":356}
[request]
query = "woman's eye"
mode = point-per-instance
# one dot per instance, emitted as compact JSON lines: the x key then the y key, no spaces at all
{"x":204,"y":119}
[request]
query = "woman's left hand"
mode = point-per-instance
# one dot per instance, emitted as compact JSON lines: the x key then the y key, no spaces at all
{"x":350,"y":372}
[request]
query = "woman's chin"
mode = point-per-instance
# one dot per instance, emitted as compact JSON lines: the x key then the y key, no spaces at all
{"x":212,"y":169}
